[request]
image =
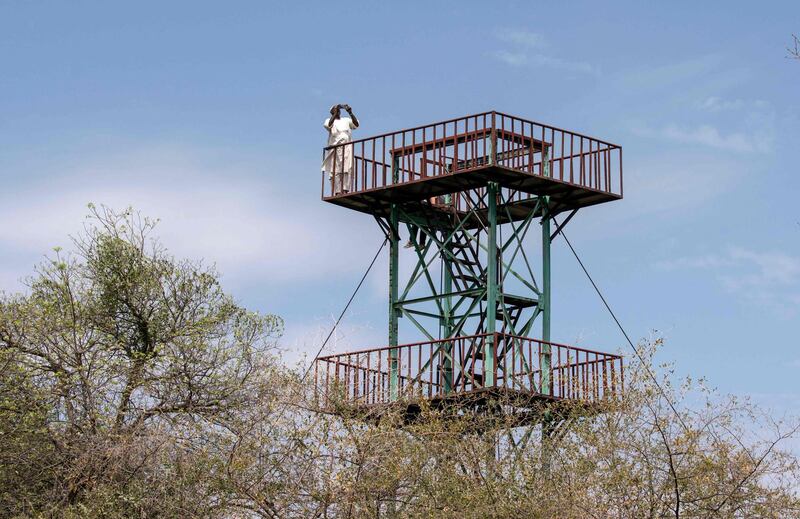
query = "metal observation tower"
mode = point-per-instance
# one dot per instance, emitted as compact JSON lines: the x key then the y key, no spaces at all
{"x":480,"y":199}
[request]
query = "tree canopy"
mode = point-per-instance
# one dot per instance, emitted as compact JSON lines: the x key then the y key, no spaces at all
{"x":132,"y":385}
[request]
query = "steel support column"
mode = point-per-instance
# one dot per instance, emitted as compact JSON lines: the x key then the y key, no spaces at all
{"x":490,"y":345}
{"x":447,"y":320}
{"x":544,"y":303}
{"x":447,"y":325}
{"x":394,"y":249}
{"x":546,"y":281}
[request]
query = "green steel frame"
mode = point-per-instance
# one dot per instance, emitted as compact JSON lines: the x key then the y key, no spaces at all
{"x":469,"y":281}
{"x":477,"y":271}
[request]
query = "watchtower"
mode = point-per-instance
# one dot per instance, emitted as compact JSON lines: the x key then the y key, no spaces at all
{"x":480,"y":199}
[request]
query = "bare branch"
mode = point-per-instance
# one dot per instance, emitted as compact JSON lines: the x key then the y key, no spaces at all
{"x":794,"y":50}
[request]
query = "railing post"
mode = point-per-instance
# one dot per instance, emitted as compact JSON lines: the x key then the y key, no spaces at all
{"x":493,"y":142}
{"x":316,"y":383}
{"x":395,"y":168}
{"x":621,"y":189}
{"x":545,"y":158}
{"x":322,"y":188}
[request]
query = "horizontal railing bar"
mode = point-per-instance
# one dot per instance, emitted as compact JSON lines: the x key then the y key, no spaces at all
{"x":556,"y":128}
{"x":460,"y":138}
{"x":488,"y":127}
{"x":381,"y":164}
{"x":379,"y":371}
{"x":560,"y":345}
{"x":383,"y":348}
{"x":466,"y":337}
{"x":416,"y":128}
{"x":433,"y":145}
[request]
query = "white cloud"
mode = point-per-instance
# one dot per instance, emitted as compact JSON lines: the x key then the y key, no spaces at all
{"x":666,"y":76}
{"x":526,"y":50}
{"x":765,"y":268}
{"x":718,"y":104}
{"x":765,"y":278}
{"x":515,"y":59}
{"x":520,"y":59}
{"x":558,"y":63}
{"x":303,"y":340}
{"x":715,"y":104}
{"x":699,"y":262}
{"x":521,"y":37}
{"x":674,"y":181}
{"x":771,"y":269}
{"x":706,"y":135}
{"x":686,"y":80}
{"x":251,"y":225}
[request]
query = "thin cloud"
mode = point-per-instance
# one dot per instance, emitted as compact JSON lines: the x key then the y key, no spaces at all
{"x":765,"y":278}
{"x":304,"y":337}
{"x":525,"y":49}
{"x":707,"y":135}
{"x":250,"y":229}
{"x":772,"y":268}
{"x":521,"y":38}
{"x":663,"y":76}
{"x":515,"y":59}
{"x":572,"y":66}
{"x":765,"y":268}
{"x":671,"y":181}
{"x":716,"y":104}
{"x":698,"y":262}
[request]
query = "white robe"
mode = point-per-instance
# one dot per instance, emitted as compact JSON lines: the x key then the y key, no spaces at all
{"x":340,"y":132}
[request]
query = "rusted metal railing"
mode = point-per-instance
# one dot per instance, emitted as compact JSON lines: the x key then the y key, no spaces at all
{"x":444,"y":367}
{"x":470,"y":143}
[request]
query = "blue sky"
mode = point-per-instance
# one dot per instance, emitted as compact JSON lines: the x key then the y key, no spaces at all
{"x":209,"y":117}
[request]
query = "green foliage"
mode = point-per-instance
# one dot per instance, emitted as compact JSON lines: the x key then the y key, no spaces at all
{"x":120,"y":356}
{"x":132,"y":386}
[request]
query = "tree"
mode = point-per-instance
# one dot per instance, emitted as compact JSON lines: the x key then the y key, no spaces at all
{"x":131,"y":385}
{"x":710,"y":457}
{"x":120,"y":359}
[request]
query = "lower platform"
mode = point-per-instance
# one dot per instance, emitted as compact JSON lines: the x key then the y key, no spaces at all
{"x":492,"y":376}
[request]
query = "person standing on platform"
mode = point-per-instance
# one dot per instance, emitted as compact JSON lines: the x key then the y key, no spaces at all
{"x":338,"y":162}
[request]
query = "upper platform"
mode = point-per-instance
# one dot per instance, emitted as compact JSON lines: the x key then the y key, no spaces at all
{"x":526,"y":158}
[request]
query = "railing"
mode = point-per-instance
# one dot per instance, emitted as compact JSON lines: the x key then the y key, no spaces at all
{"x":470,"y":143}
{"x":451,"y":366}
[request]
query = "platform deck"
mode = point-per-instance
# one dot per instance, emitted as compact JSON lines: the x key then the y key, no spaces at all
{"x":414,"y":195}
{"x":529,"y":376}
{"x":529,"y":160}
{"x":485,"y":407}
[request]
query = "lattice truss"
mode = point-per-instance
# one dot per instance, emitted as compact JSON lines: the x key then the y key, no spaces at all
{"x":446,"y":292}
{"x":476,"y":198}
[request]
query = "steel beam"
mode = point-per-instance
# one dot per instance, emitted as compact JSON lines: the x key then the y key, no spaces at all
{"x":491,"y":286}
{"x":545,"y":304}
{"x":394,"y":249}
{"x":447,"y":322}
